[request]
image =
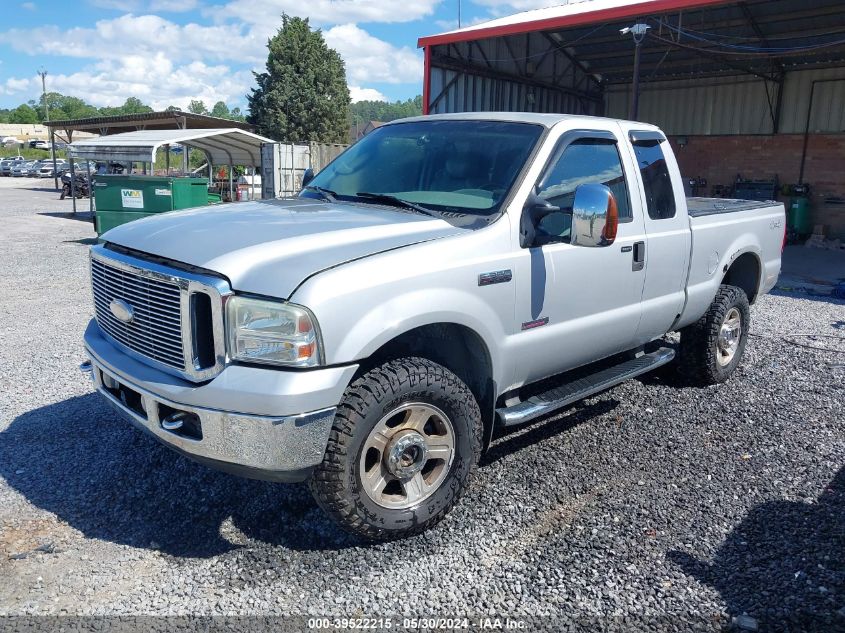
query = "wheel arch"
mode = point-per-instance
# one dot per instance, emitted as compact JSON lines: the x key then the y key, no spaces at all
{"x":458,"y":348}
{"x":745,"y":272}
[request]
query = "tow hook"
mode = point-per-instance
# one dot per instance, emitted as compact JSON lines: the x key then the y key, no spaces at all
{"x":87,"y":368}
{"x":174,"y":421}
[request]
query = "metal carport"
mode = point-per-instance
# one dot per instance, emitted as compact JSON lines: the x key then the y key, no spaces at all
{"x":222,"y":146}
{"x":754,"y":87}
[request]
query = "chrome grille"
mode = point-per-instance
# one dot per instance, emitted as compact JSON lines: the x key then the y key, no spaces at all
{"x":156,"y":329}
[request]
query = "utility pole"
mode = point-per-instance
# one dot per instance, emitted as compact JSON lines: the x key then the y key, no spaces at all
{"x":459,"y":13}
{"x":43,"y":73}
{"x":638,"y":32}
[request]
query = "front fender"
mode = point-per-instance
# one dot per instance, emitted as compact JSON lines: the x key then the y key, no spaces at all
{"x":405,"y":312}
{"x":363,"y":305}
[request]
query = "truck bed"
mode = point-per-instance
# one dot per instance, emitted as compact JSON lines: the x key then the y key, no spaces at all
{"x":723,"y":229}
{"x":710,"y":206}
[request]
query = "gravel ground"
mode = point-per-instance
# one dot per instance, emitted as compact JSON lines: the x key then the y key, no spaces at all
{"x":651,"y":506}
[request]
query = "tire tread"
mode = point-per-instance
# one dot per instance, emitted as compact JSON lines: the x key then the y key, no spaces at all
{"x":379,"y":384}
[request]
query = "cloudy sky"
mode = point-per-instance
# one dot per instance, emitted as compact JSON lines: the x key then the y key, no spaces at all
{"x":171,"y":51}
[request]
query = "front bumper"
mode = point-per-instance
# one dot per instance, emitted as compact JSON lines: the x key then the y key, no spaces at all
{"x":278,"y":430}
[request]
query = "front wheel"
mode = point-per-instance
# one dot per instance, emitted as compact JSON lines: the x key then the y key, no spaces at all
{"x":404,"y":443}
{"x":711,"y":348}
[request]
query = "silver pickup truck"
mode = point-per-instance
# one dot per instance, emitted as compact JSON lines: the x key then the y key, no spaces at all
{"x":444,"y":277}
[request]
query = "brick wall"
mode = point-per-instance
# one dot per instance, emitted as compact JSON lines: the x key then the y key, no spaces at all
{"x":720,"y":158}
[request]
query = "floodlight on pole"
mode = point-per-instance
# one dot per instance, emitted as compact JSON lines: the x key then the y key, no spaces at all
{"x":42,"y":72}
{"x":638,"y":32}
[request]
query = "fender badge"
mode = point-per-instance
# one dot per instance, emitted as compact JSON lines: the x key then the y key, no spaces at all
{"x":495,"y":277}
{"x":530,"y":325}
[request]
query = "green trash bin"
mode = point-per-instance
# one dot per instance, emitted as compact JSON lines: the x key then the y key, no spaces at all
{"x":120,"y":199}
{"x":798,"y":217}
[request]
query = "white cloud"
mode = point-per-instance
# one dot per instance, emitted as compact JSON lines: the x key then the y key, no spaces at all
{"x":19,"y":85}
{"x":365,"y":94}
{"x":29,"y":6}
{"x":369,"y":59}
{"x":171,"y":63}
{"x":143,"y":35}
{"x":149,"y":6}
{"x":504,"y":7}
{"x":328,"y":11}
{"x":155,"y":80}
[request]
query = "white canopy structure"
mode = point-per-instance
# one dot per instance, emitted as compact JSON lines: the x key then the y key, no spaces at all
{"x":223,"y":146}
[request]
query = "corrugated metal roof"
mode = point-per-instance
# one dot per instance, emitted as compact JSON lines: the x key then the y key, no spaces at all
{"x":559,"y":16}
{"x":169,"y":119}
{"x":716,"y":38}
{"x":226,"y":146}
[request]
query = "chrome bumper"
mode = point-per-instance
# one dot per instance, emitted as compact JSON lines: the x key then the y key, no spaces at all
{"x":262,"y":447}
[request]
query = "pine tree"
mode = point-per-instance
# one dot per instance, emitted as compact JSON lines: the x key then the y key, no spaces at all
{"x":303,"y":95}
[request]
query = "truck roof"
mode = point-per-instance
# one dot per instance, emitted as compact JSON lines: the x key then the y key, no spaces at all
{"x":544,"y":119}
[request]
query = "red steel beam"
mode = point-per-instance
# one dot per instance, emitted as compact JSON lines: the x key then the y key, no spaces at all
{"x":632,"y":10}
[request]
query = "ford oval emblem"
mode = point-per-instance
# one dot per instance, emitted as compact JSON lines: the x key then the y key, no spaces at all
{"x":122,"y":311}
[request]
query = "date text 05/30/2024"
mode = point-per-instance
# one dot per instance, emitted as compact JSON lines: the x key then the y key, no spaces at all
{"x":428,"y":624}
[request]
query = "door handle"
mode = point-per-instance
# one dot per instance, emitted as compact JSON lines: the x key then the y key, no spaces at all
{"x":639,"y":256}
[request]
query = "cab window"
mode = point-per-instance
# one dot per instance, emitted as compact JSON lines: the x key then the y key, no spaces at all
{"x":657,"y":184}
{"x":584,"y":161}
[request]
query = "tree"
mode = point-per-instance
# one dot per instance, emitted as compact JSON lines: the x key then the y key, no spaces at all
{"x":303,"y":95}
{"x":23,"y":114}
{"x":63,"y":107}
{"x":220,"y":110}
{"x":364,"y":111}
{"x":197,"y":107}
{"x":132,"y":105}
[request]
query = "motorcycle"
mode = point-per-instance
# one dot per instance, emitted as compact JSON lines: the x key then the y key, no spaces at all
{"x":80,"y":184}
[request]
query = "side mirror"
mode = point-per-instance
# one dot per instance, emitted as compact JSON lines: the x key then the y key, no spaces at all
{"x":535,"y":209}
{"x":307,"y":177}
{"x":595,"y":216}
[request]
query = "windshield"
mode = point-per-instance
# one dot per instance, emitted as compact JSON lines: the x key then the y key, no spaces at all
{"x":463,"y":167}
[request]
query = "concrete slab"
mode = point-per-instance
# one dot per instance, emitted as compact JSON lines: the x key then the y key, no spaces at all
{"x":811,"y":270}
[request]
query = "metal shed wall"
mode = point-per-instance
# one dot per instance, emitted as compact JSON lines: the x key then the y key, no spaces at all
{"x":737,"y":106}
{"x":472,"y":93}
{"x":531,"y":72}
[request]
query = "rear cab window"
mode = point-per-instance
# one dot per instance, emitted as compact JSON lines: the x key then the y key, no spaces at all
{"x":657,"y":181}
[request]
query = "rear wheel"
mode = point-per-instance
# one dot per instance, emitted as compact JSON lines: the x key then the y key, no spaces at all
{"x":712,"y":348}
{"x":404,"y":443}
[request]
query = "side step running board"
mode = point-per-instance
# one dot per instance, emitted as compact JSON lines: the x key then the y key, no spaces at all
{"x":548,"y":401}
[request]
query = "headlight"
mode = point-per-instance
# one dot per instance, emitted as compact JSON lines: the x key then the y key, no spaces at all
{"x":270,"y":332}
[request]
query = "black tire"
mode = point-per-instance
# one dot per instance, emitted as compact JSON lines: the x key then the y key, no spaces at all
{"x":336,"y":482}
{"x":64,"y":193}
{"x":699,"y":348}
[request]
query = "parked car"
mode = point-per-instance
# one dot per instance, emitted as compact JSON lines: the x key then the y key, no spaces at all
{"x":445,"y":277}
{"x":43,"y":145}
{"x":47,"y":171}
{"x":22,"y":168}
{"x":6,"y":166}
{"x":10,"y":140}
{"x":32,"y":169}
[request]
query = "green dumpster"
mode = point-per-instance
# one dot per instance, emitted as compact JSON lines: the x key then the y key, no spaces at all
{"x":120,"y":199}
{"x":798,"y":217}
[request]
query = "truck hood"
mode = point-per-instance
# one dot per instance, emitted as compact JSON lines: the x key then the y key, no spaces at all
{"x":269,"y":247}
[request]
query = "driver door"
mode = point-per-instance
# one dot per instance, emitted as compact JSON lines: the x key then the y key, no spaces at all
{"x":577,"y":304}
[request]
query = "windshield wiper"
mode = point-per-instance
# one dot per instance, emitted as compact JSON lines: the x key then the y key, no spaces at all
{"x":394,"y":201}
{"x":327,"y":194}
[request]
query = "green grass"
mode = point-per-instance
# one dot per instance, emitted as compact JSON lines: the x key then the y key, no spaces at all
{"x":32,"y":154}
